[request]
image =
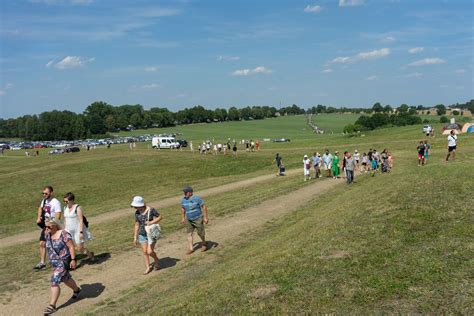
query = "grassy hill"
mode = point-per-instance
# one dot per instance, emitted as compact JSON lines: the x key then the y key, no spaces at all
{"x":398,"y":243}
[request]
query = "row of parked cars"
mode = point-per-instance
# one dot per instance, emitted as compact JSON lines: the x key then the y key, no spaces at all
{"x":73,"y":146}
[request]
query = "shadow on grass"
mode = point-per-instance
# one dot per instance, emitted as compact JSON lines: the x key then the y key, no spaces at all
{"x":210,"y":245}
{"x":168,"y":262}
{"x":98,"y":259}
{"x":88,"y":291}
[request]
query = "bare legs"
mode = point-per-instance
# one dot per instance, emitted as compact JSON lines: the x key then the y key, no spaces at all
{"x":149,"y":251}
{"x":56,"y":290}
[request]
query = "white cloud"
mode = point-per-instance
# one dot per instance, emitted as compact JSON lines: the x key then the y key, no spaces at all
{"x":350,"y":3}
{"x":150,"y":86}
{"x":414,"y":75}
{"x":460,"y":71}
{"x":372,"y":78}
{"x":416,"y":50}
{"x":361,"y":56}
{"x":427,"y":62}
{"x":374,"y":54}
{"x":248,"y":72}
{"x":228,"y":58}
{"x":313,"y":9}
{"x":388,"y":39}
{"x":341,"y":60}
{"x":326,"y":71}
{"x":70,"y":62}
{"x":152,"y":69}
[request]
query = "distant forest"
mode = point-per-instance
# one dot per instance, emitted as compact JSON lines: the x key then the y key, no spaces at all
{"x":101,"y":118}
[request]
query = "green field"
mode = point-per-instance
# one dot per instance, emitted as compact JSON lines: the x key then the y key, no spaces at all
{"x":398,"y":243}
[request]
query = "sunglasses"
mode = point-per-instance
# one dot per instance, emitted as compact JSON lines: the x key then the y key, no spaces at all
{"x":66,"y":201}
{"x":48,"y":227}
{"x":45,"y":193}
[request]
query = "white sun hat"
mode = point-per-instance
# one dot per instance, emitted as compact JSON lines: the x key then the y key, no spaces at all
{"x":137,"y":201}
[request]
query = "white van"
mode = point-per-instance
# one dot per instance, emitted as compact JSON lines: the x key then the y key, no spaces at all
{"x":164,"y":142}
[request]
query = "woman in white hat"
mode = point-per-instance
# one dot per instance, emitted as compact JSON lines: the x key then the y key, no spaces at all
{"x":306,"y":167}
{"x":145,"y":216}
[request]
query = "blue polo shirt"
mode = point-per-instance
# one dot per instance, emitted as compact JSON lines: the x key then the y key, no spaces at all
{"x":192,"y":207}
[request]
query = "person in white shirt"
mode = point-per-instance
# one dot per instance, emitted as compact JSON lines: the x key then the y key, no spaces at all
{"x":306,"y":167}
{"x":452,"y":138}
{"x":49,"y":209}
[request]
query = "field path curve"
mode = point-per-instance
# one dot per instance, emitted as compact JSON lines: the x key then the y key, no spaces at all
{"x":166,"y":202}
{"x":111,"y":278}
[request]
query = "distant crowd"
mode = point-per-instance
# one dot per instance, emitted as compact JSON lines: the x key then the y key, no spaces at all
{"x":333,"y":164}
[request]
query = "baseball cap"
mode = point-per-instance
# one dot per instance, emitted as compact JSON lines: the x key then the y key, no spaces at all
{"x":187,"y":189}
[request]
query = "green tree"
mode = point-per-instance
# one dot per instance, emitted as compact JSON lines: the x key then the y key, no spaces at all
{"x":377,"y":107}
{"x":440,"y":109}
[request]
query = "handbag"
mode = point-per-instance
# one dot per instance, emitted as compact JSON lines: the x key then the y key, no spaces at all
{"x":153,"y":231}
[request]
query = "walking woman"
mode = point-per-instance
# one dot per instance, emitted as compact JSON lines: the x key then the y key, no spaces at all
{"x":145,"y":216}
{"x":62,"y":258}
{"x":335,"y":165}
{"x":75,"y":224}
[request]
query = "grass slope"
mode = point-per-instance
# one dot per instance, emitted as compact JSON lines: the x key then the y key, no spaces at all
{"x":399,"y":243}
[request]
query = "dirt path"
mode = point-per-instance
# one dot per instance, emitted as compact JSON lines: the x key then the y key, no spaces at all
{"x":124,"y":271}
{"x":32,"y":236}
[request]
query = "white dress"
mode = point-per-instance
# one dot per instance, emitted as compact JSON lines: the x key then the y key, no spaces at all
{"x":72,"y":225}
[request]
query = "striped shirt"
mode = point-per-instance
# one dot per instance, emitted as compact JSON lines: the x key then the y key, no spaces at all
{"x":192,"y":207}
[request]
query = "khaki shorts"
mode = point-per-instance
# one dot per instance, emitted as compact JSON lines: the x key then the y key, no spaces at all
{"x":197,"y":224}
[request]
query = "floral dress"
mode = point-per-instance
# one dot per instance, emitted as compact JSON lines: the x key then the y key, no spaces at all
{"x":58,"y":253}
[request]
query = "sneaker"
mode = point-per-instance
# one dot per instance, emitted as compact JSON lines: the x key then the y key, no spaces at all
{"x":40,"y":266}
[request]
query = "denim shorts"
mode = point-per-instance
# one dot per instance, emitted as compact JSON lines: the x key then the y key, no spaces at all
{"x":142,"y":239}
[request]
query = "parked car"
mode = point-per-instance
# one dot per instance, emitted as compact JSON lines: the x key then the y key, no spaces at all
{"x":182,"y":142}
{"x":281,"y":140}
{"x":56,"y":151}
{"x":427,"y":129}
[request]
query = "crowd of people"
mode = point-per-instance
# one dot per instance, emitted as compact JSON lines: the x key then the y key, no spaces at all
{"x":348,"y":164}
{"x":208,"y":147}
{"x":62,"y":231}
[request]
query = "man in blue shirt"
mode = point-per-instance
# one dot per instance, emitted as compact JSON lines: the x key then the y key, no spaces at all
{"x":194,"y":216}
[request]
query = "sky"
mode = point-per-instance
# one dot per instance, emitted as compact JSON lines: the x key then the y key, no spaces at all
{"x":66,"y":54}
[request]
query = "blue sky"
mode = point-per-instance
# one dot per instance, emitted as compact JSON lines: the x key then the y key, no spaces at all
{"x":66,"y":54}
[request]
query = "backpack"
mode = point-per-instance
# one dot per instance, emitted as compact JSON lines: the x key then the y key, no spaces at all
{"x":84,"y":219}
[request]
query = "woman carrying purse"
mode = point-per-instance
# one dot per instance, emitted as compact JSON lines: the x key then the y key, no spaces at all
{"x":146,"y":231}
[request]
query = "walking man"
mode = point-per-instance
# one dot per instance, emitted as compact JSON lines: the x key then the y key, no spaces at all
{"x":452,"y":138}
{"x":49,"y":209}
{"x":327,"y":161}
{"x":316,"y":161}
{"x":194,"y":216}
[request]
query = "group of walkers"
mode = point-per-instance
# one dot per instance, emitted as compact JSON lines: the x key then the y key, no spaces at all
{"x":208,"y":147}
{"x":423,"y":150}
{"x":58,"y":240}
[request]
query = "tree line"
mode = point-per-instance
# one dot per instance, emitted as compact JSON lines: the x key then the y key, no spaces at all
{"x":100,"y":118}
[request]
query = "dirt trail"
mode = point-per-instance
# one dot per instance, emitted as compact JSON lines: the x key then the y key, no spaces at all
{"x":33,"y":236}
{"x":108,"y":279}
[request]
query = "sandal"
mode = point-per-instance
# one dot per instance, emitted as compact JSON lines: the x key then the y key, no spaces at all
{"x":148,"y":271}
{"x":156,"y":267}
{"x":49,"y":310}
{"x":75,"y":294}
{"x":189,"y":251}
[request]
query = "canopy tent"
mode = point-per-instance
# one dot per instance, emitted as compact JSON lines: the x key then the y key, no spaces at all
{"x":446,"y":130}
{"x":468,"y":128}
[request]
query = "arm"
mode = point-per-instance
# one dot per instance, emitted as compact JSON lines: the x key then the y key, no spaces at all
{"x":70,"y":246}
{"x":155,"y":220}
{"x":40,"y":212}
{"x":135,"y":233}
{"x":182,"y":215}
{"x":80,"y":217}
{"x":204,"y":211}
